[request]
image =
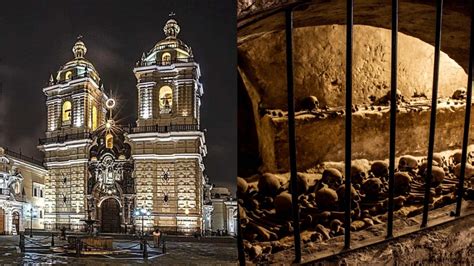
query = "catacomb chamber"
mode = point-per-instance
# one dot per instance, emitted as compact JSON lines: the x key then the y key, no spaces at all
{"x":319,"y":82}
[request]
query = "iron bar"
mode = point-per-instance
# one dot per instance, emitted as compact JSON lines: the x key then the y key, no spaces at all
{"x":240,"y":242}
{"x":348,"y":143}
{"x":393,"y":116}
{"x":292,"y":131}
{"x":439,"y":11}
{"x":467,"y":120}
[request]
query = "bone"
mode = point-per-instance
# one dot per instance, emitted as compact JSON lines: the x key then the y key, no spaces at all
{"x":303,"y":183}
{"x":358,"y":174}
{"x":263,"y":233}
{"x":308,"y":103}
{"x":326,"y":198}
{"x":437,"y":202}
{"x":269,"y":184}
{"x":283,"y":204}
{"x":357,"y":225}
{"x":255,"y":251}
{"x":242,"y":186}
{"x":469,"y":172}
{"x":323,"y":231}
{"x":379,"y":169}
{"x":372,"y":187}
{"x":407,"y":162}
{"x":332,"y":177}
{"x":402,"y":182}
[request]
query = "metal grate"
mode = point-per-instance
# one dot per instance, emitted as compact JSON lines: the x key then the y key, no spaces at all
{"x":288,"y":10}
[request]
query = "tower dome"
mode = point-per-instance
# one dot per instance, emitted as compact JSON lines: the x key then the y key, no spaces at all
{"x":79,"y":67}
{"x":169,"y":50}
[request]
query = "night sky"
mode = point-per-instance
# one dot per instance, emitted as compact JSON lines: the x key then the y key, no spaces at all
{"x":36,"y":38}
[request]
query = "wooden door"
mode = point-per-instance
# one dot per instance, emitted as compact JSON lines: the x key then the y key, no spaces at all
{"x":110,"y":220}
{"x":2,"y":221}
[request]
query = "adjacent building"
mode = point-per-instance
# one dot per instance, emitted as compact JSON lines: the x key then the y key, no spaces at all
{"x":221,"y":212}
{"x":21,"y":192}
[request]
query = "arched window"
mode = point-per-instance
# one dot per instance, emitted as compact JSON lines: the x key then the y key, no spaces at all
{"x":166,"y":58}
{"x":166,"y":99}
{"x":68,"y":75}
{"x":109,"y":141}
{"x":67,"y":112}
{"x":94,"y":117}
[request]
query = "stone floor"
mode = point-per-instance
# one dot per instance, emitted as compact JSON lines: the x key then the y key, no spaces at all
{"x":177,"y":253}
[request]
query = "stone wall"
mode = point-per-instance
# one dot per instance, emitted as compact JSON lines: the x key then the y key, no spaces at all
{"x":319,"y":65}
{"x":320,"y":140}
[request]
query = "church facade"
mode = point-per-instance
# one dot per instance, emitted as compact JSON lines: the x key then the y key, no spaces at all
{"x":125,"y":178}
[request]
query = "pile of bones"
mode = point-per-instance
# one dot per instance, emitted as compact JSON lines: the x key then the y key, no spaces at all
{"x":265,"y":200}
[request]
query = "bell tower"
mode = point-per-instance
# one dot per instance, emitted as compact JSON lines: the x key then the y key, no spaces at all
{"x":75,"y":102}
{"x":168,"y":145}
{"x":169,"y":90}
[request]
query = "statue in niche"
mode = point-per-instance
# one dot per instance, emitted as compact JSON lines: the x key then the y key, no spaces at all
{"x":12,"y":181}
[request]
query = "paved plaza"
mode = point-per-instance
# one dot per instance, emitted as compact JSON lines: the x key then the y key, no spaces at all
{"x":179,"y":252}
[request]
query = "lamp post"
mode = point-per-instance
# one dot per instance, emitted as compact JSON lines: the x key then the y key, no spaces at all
{"x":31,"y":221}
{"x":142,"y":212}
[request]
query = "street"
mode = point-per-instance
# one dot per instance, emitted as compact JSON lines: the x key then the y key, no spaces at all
{"x":177,"y":252}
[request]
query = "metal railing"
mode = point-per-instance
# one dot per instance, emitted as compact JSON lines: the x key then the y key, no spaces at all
{"x":165,"y":62}
{"x":23,"y":157}
{"x":162,"y":129}
{"x":64,"y":138}
{"x":288,"y":10}
{"x":152,"y":77}
{"x":77,"y":76}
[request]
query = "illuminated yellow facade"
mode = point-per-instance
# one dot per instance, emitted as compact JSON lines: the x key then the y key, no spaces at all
{"x":105,"y":171}
{"x":168,"y":145}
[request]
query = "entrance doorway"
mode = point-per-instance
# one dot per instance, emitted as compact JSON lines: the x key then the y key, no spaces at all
{"x":16,"y":222}
{"x":110,"y":216}
{"x":2,"y":221}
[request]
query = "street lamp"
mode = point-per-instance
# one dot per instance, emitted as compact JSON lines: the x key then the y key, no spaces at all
{"x":142,"y":212}
{"x":31,"y":219}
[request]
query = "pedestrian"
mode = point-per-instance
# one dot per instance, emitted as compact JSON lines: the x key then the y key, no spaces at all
{"x":63,"y":233}
{"x":156,"y":237}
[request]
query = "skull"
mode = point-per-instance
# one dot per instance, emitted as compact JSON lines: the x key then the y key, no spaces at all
{"x":303,"y":183}
{"x":456,"y":157}
{"x":309,"y":103}
{"x":459,"y":94}
{"x":332,"y":177}
{"x":437,"y":175}
{"x":269,"y":184}
{"x":242,"y":186}
{"x":439,"y":159}
{"x":283,"y":204}
{"x":326,"y":198}
{"x":401,"y":183}
{"x":379,"y":168}
{"x":341,"y":193}
{"x":407,"y":163}
{"x":469,"y":172}
{"x":358,"y":174}
{"x":373,"y":187}
{"x":424,"y":166}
